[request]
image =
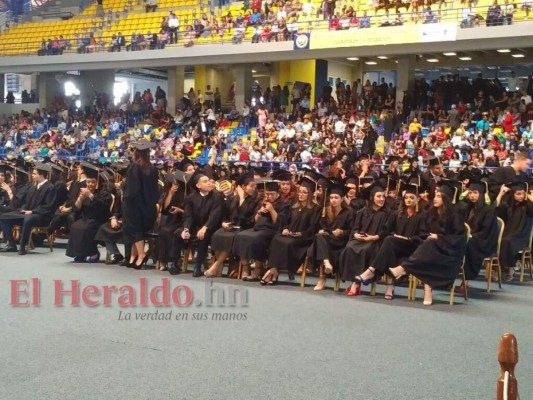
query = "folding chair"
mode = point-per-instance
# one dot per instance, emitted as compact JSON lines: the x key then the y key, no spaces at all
{"x":494,"y":260}
{"x":526,"y":258}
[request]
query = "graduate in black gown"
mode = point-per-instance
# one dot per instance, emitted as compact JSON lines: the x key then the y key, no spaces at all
{"x":504,"y":175}
{"x":253,"y":244}
{"x":288,"y":248}
{"x":371,"y":226}
{"x":407,"y":232}
{"x":438,"y":259}
{"x":93,"y":204}
{"x":240,"y":213}
{"x":334,"y":229}
{"x":481,"y":218}
{"x":516,"y":210}
{"x":141,"y":193}
{"x":6,"y":189}
{"x":202,"y":217}
{"x":16,"y":190}
{"x":172,"y":204}
{"x":37,"y":210}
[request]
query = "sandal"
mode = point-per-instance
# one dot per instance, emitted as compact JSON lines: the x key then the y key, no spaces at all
{"x":389,"y":296}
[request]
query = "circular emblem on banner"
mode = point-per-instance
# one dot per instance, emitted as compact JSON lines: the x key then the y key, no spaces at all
{"x":301,"y":41}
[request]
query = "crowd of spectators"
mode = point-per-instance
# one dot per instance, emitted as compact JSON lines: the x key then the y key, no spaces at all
{"x":476,"y":123}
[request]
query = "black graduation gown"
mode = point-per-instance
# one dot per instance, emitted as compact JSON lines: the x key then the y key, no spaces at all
{"x":394,"y":250}
{"x":502,"y":176}
{"x":81,"y":242}
{"x":141,"y":193}
{"x":518,"y":220}
{"x":481,"y":218}
{"x":325,"y":245}
{"x":242,"y":216}
{"x":357,"y":204}
{"x":202,"y":211}
{"x":253,"y":244}
{"x":358,"y":255}
{"x":287,"y":252}
{"x":437,"y":262}
{"x":107,"y":234}
{"x":42,"y":202}
{"x":168,"y":225}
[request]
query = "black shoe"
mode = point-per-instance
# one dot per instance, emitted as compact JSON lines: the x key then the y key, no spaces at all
{"x":173,"y":270}
{"x":10,"y":248}
{"x":22,"y":251}
{"x":197,"y":273}
{"x":124,"y":262}
{"x":142,"y":265}
{"x":115,"y":259}
{"x":79,"y":259}
{"x":132,"y":264}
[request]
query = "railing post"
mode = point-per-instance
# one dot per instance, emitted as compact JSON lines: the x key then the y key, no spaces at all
{"x":507,"y":386}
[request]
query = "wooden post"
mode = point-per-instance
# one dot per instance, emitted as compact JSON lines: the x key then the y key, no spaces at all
{"x":507,"y":386}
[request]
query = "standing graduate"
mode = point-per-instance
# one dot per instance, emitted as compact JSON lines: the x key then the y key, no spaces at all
{"x":516,"y":210}
{"x":201,"y":219}
{"x":481,"y":218}
{"x":438,"y":259}
{"x":141,"y":192}
{"x":93,"y":204}
{"x":407,"y":232}
{"x":514,"y":173}
{"x":334,"y":229}
{"x":37,"y":210}
{"x":253,"y":244}
{"x":371,"y":226}
{"x":288,"y":248}
{"x":239,"y":215}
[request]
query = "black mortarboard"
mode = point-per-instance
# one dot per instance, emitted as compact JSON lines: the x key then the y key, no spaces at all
{"x":432,"y":161}
{"x":195,"y":177}
{"x":311,"y":174}
{"x":174,"y":177}
{"x":260,"y":171}
{"x":309,"y":184}
{"x":451,"y":189}
{"x":268,"y":185}
{"x":282,"y":175}
{"x":143,"y":144}
{"x":185,"y":163}
{"x":41,"y":167}
{"x":464,"y":174}
{"x":479,"y":186}
{"x":4,"y":168}
{"x":408,"y":188}
{"x":363,"y":157}
{"x":323,"y":182}
{"x":519,"y":185}
{"x":351,"y":181}
{"x":392,"y":159}
{"x":392,"y":184}
{"x":369,"y":192}
{"x":365,"y":180}
{"x":337,"y":187}
{"x":245,"y":179}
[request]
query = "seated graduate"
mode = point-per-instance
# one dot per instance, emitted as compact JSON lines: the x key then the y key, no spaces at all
{"x":253,"y":243}
{"x":287,"y":188}
{"x":360,"y":201}
{"x":64,"y":216}
{"x":93,"y":203}
{"x":15,"y":188}
{"x":239,"y":215}
{"x":201,"y":219}
{"x":481,"y":218}
{"x":516,"y":210}
{"x":334,"y":230}
{"x":37,"y":210}
{"x":371,"y":226}
{"x":172,"y":204}
{"x":406,"y":234}
{"x":288,"y":248}
{"x":6,"y":188}
{"x":438,"y":259}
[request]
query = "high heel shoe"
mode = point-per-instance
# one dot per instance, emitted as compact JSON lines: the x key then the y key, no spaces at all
{"x":356,"y":292}
{"x":132,"y":263}
{"x":142,"y":265}
{"x":389,"y":296}
{"x":397,"y":277}
{"x":364,"y":282}
{"x":208,"y":274}
{"x":428,"y":302}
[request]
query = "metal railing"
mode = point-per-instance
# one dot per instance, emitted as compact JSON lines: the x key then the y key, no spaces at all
{"x":103,"y":42}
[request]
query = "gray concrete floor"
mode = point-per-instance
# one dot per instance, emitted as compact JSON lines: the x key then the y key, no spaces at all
{"x":294,"y":343}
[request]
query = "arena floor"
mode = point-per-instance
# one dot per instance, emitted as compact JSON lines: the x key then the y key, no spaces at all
{"x":288,"y":343}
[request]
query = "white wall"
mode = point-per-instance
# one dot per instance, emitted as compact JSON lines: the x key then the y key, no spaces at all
{"x":340,"y":70}
{"x":140,"y":85}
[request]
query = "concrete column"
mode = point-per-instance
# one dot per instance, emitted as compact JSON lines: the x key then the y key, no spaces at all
{"x":404,"y":75}
{"x":3,"y":87}
{"x":243,"y":85}
{"x":176,"y":87}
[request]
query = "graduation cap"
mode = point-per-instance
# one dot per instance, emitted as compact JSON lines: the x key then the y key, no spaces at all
{"x":57,"y":168}
{"x":366,"y":180}
{"x":309,"y":184}
{"x":268,"y":185}
{"x":392,"y":159}
{"x":451,"y":189}
{"x":410,"y":188}
{"x":350,"y":181}
{"x":392,"y":184}
{"x":143,"y":144}
{"x":338,"y":188}
{"x":44,"y":169}
{"x":311,"y":174}
{"x":260,"y":171}
{"x":184,"y":164}
{"x":5,"y":168}
{"x":245,"y":179}
{"x":223,"y":186}
{"x":196,"y":176}
{"x":519,"y":185}
{"x":282,"y":175}
{"x":433,"y":161}
{"x":363,"y":157}
{"x":369,"y":192}
{"x":478,"y":186}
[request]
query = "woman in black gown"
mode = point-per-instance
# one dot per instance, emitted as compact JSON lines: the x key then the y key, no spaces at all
{"x":141,"y":192}
{"x":172,"y":204}
{"x":239,"y":215}
{"x":406,"y":234}
{"x":371,"y":226}
{"x":334,"y":230}
{"x":253,"y":244}
{"x":517,"y":212}
{"x":93,"y":205}
{"x":438,"y":259}
{"x":289,"y":247}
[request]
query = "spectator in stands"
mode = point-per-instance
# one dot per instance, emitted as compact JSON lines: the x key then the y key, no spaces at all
{"x":508,"y":12}
{"x":238,"y":36}
{"x":386,"y":19}
{"x":429,"y":16}
{"x":173,"y":27}
{"x":121,"y":41}
{"x":364,"y":21}
{"x":526,"y":6}
{"x":133,"y":46}
{"x":114,"y":44}
{"x":494,"y":14}
{"x":151,"y":5}
{"x":162,"y":40}
{"x":190,"y":35}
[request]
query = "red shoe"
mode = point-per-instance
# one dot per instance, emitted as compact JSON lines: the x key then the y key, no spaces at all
{"x":357,"y":291}
{"x":461,"y":289}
